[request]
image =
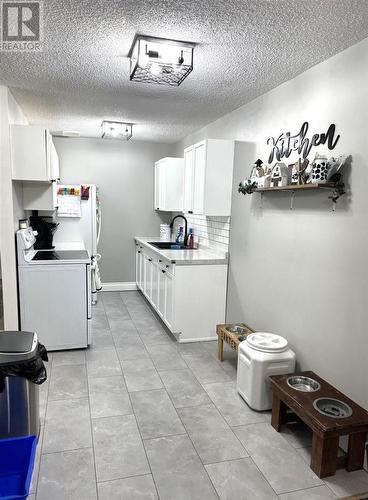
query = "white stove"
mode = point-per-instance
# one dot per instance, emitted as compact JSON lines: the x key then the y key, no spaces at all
{"x":54,"y":293}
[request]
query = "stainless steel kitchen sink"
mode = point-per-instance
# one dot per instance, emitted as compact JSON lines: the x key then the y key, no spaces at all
{"x":168,"y":245}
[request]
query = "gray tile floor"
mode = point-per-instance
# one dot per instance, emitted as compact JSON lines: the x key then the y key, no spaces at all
{"x":140,"y":417}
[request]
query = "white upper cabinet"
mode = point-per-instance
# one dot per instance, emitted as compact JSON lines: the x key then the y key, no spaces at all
{"x":39,"y":196}
{"x":208,"y":177}
{"x":169,"y":179}
{"x":33,"y":154}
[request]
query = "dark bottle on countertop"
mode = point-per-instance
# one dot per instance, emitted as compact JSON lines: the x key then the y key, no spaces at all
{"x":190,"y":242}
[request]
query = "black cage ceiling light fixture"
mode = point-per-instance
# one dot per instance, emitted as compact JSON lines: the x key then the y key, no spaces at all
{"x":116,"y":130}
{"x":160,"y":60}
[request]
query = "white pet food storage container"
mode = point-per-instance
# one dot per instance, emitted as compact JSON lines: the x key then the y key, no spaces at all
{"x":261,"y":355}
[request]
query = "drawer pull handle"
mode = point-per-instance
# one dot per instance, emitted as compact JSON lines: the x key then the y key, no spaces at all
{"x":159,"y":260}
{"x":139,"y":251}
{"x":167,"y":266}
{"x":163,"y":271}
{"x":149,"y":260}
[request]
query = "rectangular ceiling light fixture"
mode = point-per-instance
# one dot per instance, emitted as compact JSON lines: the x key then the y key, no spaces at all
{"x":116,"y":130}
{"x":159,"y":60}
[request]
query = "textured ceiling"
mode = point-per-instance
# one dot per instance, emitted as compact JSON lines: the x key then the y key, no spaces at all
{"x":245,"y":48}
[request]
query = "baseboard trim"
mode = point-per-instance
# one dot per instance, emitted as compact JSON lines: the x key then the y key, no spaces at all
{"x":122,"y":286}
{"x":196,"y":339}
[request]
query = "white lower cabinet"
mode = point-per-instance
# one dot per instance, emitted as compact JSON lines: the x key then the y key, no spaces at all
{"x":169,"y":299}
{"x":190,"y":299}
{"x":161,"y":294}
{"x":148,"y":273}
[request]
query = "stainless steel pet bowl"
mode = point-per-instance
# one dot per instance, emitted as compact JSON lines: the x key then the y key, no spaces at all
{"x":333,"y":408}
{"x":304,"y":384}
{"x":236,"y":329}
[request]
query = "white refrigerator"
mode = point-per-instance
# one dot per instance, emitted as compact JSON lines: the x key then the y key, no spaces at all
{"x":87,"y":227}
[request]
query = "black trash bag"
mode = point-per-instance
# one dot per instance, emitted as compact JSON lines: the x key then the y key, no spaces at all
{"x":32,"y":369}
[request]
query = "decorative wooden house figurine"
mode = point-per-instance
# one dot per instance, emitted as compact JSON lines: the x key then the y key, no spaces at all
{"x":279,"y":175}
{"x":264,"y":181}
{"x":257,"y":171}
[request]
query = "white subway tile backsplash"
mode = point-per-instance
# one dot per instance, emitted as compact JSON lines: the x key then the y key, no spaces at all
{"x":213,"y":232}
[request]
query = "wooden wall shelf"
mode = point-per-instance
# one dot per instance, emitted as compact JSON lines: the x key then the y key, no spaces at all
{"x":296,"y":187}
{"x":293,"y":188}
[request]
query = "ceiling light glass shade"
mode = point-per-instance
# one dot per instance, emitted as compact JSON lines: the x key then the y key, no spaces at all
{"x":161,"y":61}
{"x":116,"y":130}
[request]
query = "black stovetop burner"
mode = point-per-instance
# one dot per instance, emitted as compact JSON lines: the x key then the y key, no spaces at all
{"x":61,"y":255}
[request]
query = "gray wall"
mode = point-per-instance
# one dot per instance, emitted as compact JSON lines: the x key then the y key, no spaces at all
{"x":124,"y":173}
{"x":303,"y":273}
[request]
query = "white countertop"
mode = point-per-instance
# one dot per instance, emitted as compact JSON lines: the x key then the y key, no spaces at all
{"x":70,"y":245}
{"x":199,"y":256}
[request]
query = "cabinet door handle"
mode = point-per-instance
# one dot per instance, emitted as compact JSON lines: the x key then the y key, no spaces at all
{"x":149,"y":260}
{"x":163,"y":271}
{"x":190,"y":211}
{"x":159,"y":260}
{"x":139,"y":251}
{"x":167,"y":266}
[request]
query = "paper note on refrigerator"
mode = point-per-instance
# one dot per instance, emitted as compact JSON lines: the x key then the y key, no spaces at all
{"x":69,"y":201}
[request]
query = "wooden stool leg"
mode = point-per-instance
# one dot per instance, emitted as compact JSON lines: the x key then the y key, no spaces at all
{"x":278,"y":412}
{"x":324,"y":455}
{"x":356,"y":448}
{"x":220,"y":348}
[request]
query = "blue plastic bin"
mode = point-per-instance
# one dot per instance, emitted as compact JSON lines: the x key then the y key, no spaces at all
{"x":17,"y":457}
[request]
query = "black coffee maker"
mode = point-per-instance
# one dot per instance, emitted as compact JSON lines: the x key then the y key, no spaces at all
{"x":45,"y":227}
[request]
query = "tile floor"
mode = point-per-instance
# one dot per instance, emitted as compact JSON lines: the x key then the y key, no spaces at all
{"x":140,"y":417}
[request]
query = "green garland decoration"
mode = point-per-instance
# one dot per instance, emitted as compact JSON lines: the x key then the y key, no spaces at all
{"x":247,"y":187}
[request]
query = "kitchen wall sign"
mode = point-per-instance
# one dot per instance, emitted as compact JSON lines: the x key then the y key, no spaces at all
{"x":285,"y":143}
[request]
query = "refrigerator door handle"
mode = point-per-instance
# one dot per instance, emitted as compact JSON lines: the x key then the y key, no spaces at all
{"x":89,"y":293}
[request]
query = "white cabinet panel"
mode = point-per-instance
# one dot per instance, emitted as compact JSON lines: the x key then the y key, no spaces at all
{"x":199,"y":178}
{"x":169,"y":300}
{"x":54,"y":162}
{"x":208,"y":177}
{"x":39,"y":196}
{"x":188,"y":179}
{"x":159,"y":187}
{"x":155,"y":284}
{"x":33,"y":154}
{"x":161,"y":293}
{"x":169,"y":178}
{"x":137,"y":265}
{"x":139,"y":268}
{"x":148,"y":277}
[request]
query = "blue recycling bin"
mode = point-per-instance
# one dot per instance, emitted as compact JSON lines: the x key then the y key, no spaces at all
{"x":17,"y":456}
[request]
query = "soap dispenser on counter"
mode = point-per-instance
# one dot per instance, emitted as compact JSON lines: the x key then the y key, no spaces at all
{"x":190,"y":242}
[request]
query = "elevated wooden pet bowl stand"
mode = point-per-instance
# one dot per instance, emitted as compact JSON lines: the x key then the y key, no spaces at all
{"x":326,"y":429}
{"x":224,"y":335}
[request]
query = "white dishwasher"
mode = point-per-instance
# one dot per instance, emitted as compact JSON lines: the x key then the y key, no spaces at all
{"x":54,"y":292}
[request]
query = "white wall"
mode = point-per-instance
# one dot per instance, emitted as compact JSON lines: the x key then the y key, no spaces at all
{"x":123,"y":171}
{"x":304,"y":273}
{"x":11,"y":208}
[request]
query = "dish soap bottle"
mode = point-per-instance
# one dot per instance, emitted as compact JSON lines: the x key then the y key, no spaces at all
{"x":190,"y":242}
